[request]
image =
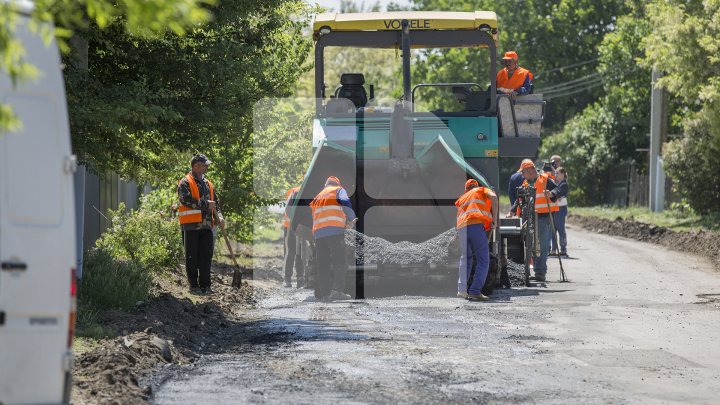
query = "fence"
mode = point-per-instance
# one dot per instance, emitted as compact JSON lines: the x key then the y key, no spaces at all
{"x":630,"y":187}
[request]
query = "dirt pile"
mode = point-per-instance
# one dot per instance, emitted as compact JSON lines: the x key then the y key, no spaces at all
{"x":703,"y":243}
{"x":174,"y":327}
{"x":376,"y":250}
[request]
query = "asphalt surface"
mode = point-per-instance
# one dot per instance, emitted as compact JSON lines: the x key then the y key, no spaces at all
{"x":636,"y":324}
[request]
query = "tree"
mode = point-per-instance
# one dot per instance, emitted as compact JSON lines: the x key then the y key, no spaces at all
{"x":684,"y":46}
{"x":145,"y":105}
{"x":139,"y":17}
{"x":557,"y":40}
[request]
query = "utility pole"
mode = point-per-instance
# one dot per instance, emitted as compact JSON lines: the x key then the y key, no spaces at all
{"x":658,"y":128}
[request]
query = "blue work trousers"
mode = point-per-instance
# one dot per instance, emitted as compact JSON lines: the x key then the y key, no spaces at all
{"x":474,"y":243}
{"x":560,"y":228}
{"x":544,"y":234}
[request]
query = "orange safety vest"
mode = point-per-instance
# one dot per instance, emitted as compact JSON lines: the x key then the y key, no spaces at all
{"x":542,"y":205}
{"x":188,"y":215}
{"x":286,"y":218}
{"x":506,"y":84}
{"x":326,"y":210}
{"x":475,"y":207}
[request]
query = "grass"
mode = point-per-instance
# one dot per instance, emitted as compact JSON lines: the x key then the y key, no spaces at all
{"x":673,"y":219}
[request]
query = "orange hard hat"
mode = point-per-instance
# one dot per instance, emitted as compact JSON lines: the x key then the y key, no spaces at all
{"x":526,"y":163}
{"x":510,"y":55}
{"x":333,"y":179}
{"x":471,"y":184}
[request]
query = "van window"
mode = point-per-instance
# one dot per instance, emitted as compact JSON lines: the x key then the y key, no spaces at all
{"x":33,"y":163}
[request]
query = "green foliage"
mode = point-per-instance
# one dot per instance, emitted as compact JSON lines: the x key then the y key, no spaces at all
{"x":145,"y":105}
{"x":148,"y":236}
{"x":675,"y":219}
{"x":548,"y":36}
{"x":111,"y":283}
{"x":693,"y":160}
{"x":684,"y":46}
{"x":138,"y":17}
{"x":587,"y":148}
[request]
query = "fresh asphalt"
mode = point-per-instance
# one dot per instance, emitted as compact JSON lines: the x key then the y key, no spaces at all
{"x":636,"y":324}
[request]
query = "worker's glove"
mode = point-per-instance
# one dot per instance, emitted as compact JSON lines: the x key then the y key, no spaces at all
{"x":351,"y":224}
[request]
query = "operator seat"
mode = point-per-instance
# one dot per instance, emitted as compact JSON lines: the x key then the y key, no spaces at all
{"x":351,"y":88}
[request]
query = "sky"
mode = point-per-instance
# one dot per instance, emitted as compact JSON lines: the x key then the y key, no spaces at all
{"x":335,"y":4}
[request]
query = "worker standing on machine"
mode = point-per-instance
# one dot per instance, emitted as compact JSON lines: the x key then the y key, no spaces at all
{"x":331,"y":213}
{"x":293,"y":244}
{"x":513,"y":79}
{"x":545,"y":191}
{"x":477,"y":215}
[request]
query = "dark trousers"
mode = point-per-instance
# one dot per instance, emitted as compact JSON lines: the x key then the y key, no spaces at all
{"x":331,"y":264}
{"x":199,"y":246}
{"x":293,"y":246}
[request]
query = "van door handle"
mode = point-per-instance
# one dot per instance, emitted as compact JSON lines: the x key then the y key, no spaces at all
{"x":2,"y":318}
{"x":14,"y":266}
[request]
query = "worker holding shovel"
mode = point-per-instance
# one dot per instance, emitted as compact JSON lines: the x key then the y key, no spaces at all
{"x":198,"y":212}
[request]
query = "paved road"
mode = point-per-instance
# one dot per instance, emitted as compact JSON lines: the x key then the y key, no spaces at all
{"x":637,"y":324}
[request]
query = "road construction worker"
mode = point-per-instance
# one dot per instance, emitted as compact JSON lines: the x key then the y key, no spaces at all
{"x":199,"y":213}
{"x":331,"y":213}
{"x":546,"y":192}
{"x":513,"y":79}
{"x":293,"y":244}
{"x":561,"y":215}
{"x":477,"y":215}
{"x":516,"y":180}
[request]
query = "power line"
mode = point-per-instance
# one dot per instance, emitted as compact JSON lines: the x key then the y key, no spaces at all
{"x":578,"y":90}
{"x":568,"y":66}
{"x":571,"y":82}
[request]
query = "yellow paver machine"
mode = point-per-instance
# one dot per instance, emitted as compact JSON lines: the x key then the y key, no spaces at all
{"x":404,"y":164}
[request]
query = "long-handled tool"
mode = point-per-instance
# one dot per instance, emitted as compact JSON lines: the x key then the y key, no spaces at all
{"x":237,"y":273}
{"x":563,"y":279}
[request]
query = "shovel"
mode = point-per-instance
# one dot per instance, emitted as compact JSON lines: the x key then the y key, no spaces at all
{"x":237,"y":273}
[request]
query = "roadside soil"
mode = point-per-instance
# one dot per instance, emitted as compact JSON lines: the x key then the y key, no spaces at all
{"x":701,"y":242}
{"x":174,"y":327}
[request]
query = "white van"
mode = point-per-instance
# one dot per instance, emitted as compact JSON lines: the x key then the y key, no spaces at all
{"x":37,"y":233}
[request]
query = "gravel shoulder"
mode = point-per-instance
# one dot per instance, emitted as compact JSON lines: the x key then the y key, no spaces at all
{"x":636,"y":324}
{"x":700,"y":242}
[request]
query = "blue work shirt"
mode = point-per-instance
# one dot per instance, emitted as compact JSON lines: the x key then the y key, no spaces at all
{"x":516,"y":181}
{"x":344,"y":200}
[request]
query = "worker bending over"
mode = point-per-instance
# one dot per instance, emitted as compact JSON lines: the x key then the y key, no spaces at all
{"x":331,"y":213}
{"x":477,"y":215}
{"x":513,"y":79}
{"x":546,"y":191}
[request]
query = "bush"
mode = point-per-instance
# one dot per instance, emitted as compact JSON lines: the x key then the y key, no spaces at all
{"x":586,"y":147}
{"x":692,"y":162}
{"x":109,"y":283}
{"x":149,"y":235}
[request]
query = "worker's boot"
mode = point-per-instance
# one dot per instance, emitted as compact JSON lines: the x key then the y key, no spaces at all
{"x":300,"y":282}
{"x":461,"y":294}
{"x":477,"y":297}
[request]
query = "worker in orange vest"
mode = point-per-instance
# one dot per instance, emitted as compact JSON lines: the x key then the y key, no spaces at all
{"x":513,"y":79}
{"x":546,"y":191}
{"x":477,"y":215}
{"x":293,"y":244}
{"x":332,"y":213}
{"x":199,"y":213}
